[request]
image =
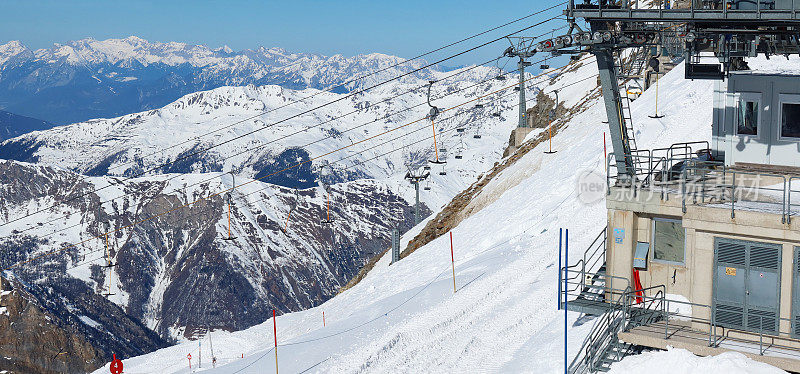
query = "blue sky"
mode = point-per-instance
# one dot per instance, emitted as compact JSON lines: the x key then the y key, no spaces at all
{"x":403,"y":28}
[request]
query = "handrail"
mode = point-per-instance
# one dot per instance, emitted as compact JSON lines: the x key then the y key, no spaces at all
{"x":714,"y":338}
{"x":737,"y":191}
{"x":789,"y":204}
{"x":600,"y":336}
{"x":703,"y":181}
{"x":662,"y":7}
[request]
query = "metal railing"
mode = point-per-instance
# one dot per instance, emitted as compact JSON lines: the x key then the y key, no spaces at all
{"x":678,"y":170}
{"x":602,"y":345}
{"x":737,"y":338}
{"x":791,"y":191}
{"x":600,"y":340}
{"x":722,"y":7}
{"x":758,"y":191}
{"x":585,"y":279}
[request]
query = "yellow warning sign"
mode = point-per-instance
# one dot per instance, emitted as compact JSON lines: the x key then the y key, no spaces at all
{"x":730,"y":271}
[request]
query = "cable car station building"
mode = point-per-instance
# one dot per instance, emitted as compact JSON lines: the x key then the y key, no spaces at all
{"x":702,"y":247}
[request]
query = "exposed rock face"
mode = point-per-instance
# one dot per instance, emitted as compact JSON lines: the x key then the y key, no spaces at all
{"x":65,"y":329}
{"x":174,"y":272}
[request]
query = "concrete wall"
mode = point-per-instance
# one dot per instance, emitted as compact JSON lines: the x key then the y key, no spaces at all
{"x":694,"y":278}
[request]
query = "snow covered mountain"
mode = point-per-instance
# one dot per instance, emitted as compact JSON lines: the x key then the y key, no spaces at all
{"x":88,"y":78}
{"x":503,"y":317}
{"x":178,"y":273}
{"x":259,"y":131}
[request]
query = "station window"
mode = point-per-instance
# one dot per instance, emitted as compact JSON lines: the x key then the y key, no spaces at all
{"x":790,"y":120}
{"x":747,"y":121}
{"x":669,"y":239}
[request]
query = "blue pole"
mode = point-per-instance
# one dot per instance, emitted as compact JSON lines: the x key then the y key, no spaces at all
{"x":566,"y":259}
{"x":559,"y":267}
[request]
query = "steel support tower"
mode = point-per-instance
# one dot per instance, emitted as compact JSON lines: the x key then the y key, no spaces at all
{"x":729,"y":30}
{"x":523,"y":48}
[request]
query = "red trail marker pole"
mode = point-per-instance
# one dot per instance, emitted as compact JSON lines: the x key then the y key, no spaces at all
{"x":189,"y":357}
{"x":323,"y":318}
{"x":275,"y":332}
{"x":116,"y":366}
{"x":453,"y":262}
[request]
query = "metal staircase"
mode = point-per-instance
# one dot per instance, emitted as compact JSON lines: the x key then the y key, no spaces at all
{"x":629,"y":67}
{"x":602,"y":347}
{"x":587,"y":288}
{"x":587,"y":280}
{"x":625,"y":109}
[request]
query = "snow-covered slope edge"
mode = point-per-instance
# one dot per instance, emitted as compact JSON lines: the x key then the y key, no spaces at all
{"x":406,"y":317}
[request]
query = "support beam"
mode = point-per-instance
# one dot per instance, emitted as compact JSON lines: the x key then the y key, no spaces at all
{"x":616,"y":124}
{"x":416,"y":204}
{"x":523,"y":120}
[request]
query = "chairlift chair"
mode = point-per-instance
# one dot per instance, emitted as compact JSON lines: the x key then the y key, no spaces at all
{"x":427,"y":186}
{"x":229,"y":197}
{"x":434,"y":112}
{"x":230,"y":236}
{"x":460,"y":150}
{"x":443,"y":172}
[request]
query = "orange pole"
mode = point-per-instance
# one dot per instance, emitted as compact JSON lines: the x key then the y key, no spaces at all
{"x":435,"y":149}
{"x":550,"y":136}
{"x":229,"y":220}
{"x":287,"y":222}
{"x":323,"y":318}
{"x":328,"y":198}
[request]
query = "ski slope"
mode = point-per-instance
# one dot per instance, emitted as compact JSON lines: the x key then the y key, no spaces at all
{"x":682,"y":361}
{"x":504,"y":318}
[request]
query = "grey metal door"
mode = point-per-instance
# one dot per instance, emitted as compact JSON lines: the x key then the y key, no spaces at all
{"x":746,"y":284}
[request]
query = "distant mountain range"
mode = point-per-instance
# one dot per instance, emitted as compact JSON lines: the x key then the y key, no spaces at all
{"x":88,"y":78}
{"x":12,"y":125}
